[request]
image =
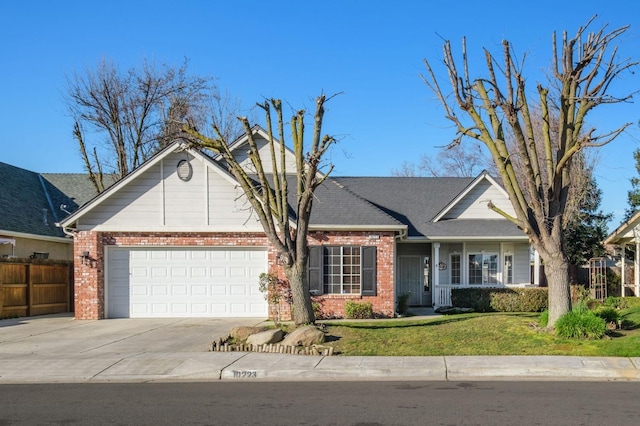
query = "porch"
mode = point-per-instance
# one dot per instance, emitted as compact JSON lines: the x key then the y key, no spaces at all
{"x":427,"y":272}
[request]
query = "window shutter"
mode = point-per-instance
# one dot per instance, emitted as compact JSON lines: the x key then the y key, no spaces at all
{"x":369,"y":278}
{"x":314,"y":270}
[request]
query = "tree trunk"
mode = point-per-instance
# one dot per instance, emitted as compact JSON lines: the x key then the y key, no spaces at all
{"x":302,"y":308}
{"x":556,"y":269}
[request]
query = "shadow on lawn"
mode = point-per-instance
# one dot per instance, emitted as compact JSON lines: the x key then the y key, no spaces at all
{"x":400,"y":324}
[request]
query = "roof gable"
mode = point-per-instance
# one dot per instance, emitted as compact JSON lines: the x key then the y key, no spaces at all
{"x":240,"y":150}
{"x":415,"y":201}
{"x":155,"y":197}
{"x":471,"y":203}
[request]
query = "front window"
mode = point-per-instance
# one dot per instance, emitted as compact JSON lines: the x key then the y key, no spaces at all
{"x":341,"y":270}
{"x":483,"y":268}
{"x":508,"y":268}
{"x":456,"y":269}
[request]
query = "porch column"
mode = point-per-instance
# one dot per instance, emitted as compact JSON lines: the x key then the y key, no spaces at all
{"x":623,"y":261}
{"x":636,"y":268}
{"x":436,"y":293}
{"x":536,"y":268}
{"x":436,"y":264}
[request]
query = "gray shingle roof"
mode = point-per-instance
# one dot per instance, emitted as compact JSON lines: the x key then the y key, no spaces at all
{"x":30,"y":202}
{"x":417,"y":200}
{"x":336,"y":205}
{"x":69,"y":189}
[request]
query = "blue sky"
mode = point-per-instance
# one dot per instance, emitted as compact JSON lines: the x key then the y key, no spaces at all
{"x":370,"y":50}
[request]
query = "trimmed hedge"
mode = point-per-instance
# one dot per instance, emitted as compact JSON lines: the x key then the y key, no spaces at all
{"x":355,"y":310}
{"x":501,"y":299}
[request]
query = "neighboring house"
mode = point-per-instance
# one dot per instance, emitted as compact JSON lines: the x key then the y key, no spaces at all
{"x":30,"y":206}
{"x":177,"y":238}
{"x":628,"y":234}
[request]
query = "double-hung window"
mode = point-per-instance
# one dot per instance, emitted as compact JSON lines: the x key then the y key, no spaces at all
{"x":349,"y":270}
{"x":456,"y":268}
{"x":483,"y":268}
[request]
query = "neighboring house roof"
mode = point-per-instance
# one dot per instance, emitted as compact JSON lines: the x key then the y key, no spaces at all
{"x":30,"y":202}
{"x":627,"y":232}
{"x":419,"y":201}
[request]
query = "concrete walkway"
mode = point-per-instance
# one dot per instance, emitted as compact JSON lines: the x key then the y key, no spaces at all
{"x":59,"y":349}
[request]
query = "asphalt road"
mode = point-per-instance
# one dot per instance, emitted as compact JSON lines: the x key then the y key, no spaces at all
{"x":323,"y":403}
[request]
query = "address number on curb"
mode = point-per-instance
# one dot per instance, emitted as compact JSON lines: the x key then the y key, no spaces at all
{"x":245,"y":374}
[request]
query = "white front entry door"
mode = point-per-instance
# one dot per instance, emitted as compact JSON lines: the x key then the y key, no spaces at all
{"x":184,"y":282}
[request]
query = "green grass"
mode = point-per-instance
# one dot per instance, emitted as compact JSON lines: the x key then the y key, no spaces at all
{"x":476,"y":334}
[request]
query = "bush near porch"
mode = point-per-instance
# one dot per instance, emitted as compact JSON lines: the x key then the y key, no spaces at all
{"x":501,"y":299}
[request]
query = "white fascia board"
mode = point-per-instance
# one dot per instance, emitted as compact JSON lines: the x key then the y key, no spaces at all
{"x":476,"y":238}
{"x":624,"y":232}
{"x":357,"y":227}
{"x":178,"y":229}
{"x":476,"y":181}
{"x":36,"y":237}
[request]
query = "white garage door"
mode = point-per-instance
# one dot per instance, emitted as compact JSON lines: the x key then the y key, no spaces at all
{"x":185,"y":282}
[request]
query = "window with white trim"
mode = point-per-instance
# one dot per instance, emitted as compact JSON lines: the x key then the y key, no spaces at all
{"x":455,"y":260}
{"x":508,"y":268}
{"x":341,"y":270}
{"x":483,"y":268}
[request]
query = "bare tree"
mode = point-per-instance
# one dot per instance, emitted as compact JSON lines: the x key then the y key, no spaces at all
{"x":486,"y":109}
{"x":268,"y":194}
{"x":452,"y":160}
{"x":122,"y":118}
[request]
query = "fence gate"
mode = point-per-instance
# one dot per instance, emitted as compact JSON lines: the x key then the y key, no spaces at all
{"x":28,"y":289}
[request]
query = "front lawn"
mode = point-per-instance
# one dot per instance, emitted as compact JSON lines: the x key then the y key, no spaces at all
{"x":476,"y":334}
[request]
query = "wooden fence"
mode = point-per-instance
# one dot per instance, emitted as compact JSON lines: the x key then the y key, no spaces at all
{"x":30,"y":288}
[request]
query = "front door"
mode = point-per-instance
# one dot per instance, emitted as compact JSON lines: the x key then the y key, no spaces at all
{"x":413,"y":277}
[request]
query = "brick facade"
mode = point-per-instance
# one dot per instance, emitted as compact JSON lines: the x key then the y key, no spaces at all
{"x":90,"y":273}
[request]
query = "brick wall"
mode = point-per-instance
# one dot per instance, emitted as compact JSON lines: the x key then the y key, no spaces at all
{"x":89,"y":276}
{"x":333,"y":305}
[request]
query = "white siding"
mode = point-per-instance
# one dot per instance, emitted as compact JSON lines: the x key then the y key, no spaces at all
{"x":134,"y":206}
{"x":158,"y":200}
{"x":474,"y":204}
{"x":228,"y":208}
{"x":265,"y":154}
{"x":522,"y":261}
{"x":184,"y":202}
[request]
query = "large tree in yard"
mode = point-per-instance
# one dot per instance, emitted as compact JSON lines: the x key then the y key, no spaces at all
{"x":268,"y":193}
{"x":123,"y":117}
{"x":498,"y":108}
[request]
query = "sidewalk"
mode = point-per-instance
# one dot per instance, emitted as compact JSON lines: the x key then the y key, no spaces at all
{"x":232,"y":366}
{"x":59,"y":349}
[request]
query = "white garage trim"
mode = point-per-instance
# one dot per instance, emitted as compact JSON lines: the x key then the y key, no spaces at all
{"x":155,"y":282}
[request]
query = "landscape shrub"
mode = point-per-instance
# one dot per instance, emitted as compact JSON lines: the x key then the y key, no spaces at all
{"x":403,"y":303}
{"x":501,"y":299}
{"x":358,"y":310}
{"x":580,"y":323}
{"x":608,"y":314}
{"x":579,"y":293}
{"x":629,"y":302}
{"x":614,"y":302}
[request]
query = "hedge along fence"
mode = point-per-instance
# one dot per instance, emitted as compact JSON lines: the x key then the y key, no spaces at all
{"x":501,"y":299}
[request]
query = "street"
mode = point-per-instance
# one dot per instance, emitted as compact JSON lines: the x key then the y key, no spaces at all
{"x":323,"y":403}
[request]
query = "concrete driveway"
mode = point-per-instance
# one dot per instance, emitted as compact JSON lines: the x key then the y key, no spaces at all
{"x":52,"y":335}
